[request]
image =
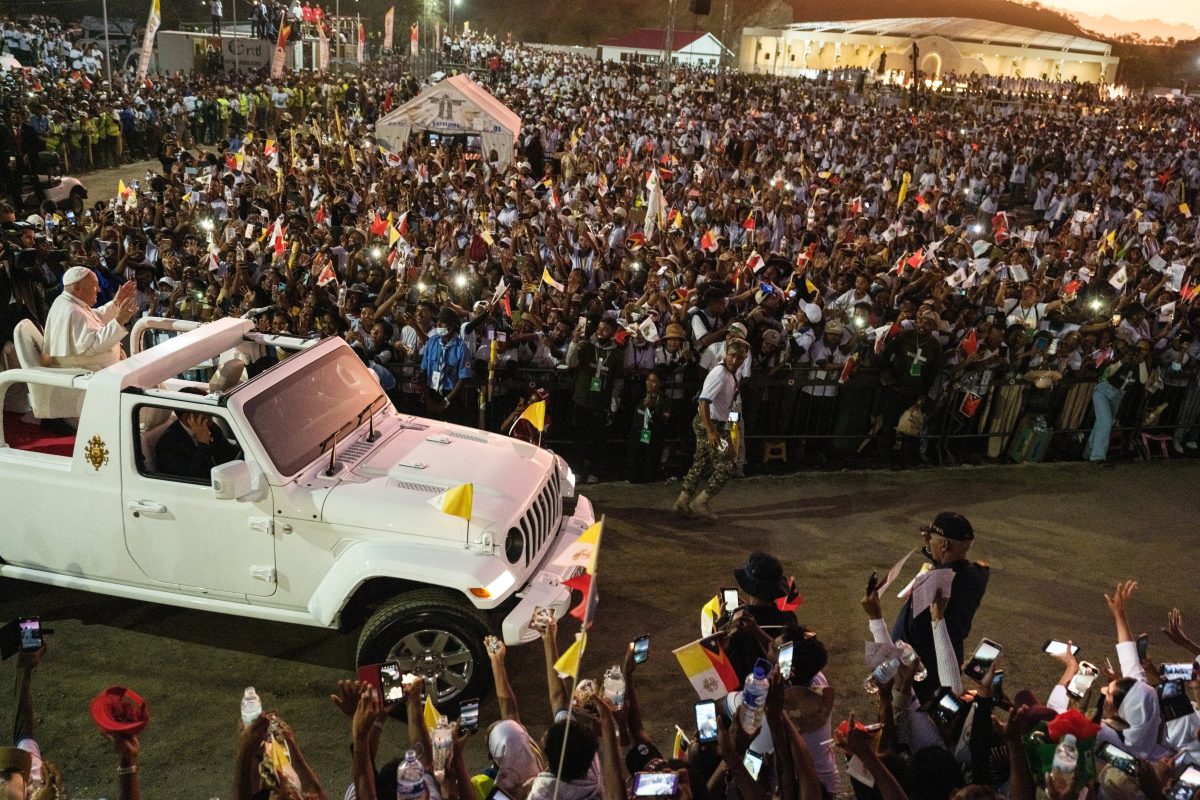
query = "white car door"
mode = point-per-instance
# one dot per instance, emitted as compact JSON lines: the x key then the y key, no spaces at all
{"x":175,"y":529}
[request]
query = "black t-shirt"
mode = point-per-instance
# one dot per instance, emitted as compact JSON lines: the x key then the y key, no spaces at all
{"x":743,"y":649}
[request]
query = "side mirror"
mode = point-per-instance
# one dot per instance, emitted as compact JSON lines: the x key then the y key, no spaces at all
{"x":237,"y":480}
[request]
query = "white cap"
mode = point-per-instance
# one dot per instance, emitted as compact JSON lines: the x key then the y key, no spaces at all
{"x":813,"y":312}
{"x":75,"y":275}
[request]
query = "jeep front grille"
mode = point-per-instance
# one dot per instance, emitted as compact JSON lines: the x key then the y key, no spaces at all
{"x":540,"y":521}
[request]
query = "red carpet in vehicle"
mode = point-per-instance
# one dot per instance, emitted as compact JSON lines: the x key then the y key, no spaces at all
{"x":33,"y":437}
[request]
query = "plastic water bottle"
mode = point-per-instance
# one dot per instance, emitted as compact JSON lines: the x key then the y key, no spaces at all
{"x":909,"y":657}
{"x":754,"y":698}
{"x":1062,"y":773}
{"x":614,"y":686}
{"x":410,"y":777}
{"x":883,"y":674}
{"x":442,"y":738}
{"x":251,"y":706}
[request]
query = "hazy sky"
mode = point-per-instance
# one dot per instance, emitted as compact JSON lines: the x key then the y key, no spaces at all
{"x":1167,"y":10}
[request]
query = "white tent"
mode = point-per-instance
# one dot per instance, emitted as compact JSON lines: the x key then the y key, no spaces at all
{"x":454,"y":106}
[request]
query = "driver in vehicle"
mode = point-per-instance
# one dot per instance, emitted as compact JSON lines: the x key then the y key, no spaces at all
{"x":192,"y":446}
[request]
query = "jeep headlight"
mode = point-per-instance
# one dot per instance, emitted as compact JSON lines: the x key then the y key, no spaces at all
{"x":566,"y":478}
{"x":514,"y":545}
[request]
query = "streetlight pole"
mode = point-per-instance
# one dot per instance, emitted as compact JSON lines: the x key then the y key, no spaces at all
{"x":107,"y":46}
{"x":450,"y":13}
{"x":233,"y":5}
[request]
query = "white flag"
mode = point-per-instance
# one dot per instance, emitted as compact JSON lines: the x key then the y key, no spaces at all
{"x":152,"y":23}
{"x":1119,"y":279}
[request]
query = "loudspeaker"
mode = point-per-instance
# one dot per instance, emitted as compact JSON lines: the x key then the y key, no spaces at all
{"x":700,"y":6}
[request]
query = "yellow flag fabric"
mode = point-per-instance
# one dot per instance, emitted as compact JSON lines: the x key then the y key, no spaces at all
{"x":678,"y":749}
{"x":567,"y":665}
{"x":709,"y":615}
{"x":591,"y":538}
{"x":548,"y":279}
{"x":903,"y":188}
{"x":431,"y":713}
{"x":456,"y":501}
{"x":535,"y":415}
{"x":393,"y":235}
{"x":121,"y":190}
{"x":1183,"y":209}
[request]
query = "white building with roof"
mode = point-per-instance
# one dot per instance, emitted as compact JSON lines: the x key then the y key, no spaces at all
{"x":945,"y":44}
{"x":646,"y":45}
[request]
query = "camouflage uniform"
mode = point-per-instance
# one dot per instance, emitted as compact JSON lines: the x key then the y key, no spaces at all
{"x":711,"y":466}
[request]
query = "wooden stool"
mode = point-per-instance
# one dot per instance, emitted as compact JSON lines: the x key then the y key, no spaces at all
{"x":1161,"y":440}
{"x":774,"y":451}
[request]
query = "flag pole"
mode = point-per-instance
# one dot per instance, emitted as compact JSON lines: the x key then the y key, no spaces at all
{"x":587,"y":618}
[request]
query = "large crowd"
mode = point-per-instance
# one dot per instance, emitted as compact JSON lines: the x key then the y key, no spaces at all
{"x":1019,"y":248}
{"x":740,"y":261}
{"x":950,"y":723}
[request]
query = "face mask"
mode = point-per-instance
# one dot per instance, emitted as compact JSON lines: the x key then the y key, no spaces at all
{"x":441,"y":330}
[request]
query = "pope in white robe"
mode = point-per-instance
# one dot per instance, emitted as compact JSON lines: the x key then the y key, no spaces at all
{"x":78,"y":335}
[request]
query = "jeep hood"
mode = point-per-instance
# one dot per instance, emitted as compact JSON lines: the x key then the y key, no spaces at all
{"x":391,"y":488}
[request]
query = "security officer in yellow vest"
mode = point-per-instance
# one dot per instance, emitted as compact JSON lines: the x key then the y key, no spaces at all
{"x":76,"y":143}
{"x":110,"y":134}
{"x":53,"y":139}
{"x":224,"y":113}
{"x":91,"y":136}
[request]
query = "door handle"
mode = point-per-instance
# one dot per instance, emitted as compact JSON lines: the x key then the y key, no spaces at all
{"x":146,"y":507}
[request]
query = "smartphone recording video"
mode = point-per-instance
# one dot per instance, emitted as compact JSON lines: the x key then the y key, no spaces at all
{"x":730,"y":598}
{"x":1057,"y":648}
{"x":785,"y":661}
{"x":31,"y":634}
{"x":468,"y":716}
{"x":655,"y":784}
{"x":641,"y":649}
{"x":706,"y":721}
{"x":987,"y":652}
{"x":391,"y":683}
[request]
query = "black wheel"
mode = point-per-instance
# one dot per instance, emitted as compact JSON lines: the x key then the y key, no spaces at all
{"x":433,"y":634}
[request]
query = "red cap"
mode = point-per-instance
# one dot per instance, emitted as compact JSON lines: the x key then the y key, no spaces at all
{"x":120,"y":710}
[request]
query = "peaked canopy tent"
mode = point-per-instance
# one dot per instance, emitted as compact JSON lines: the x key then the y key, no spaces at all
{"x":455,"y":106}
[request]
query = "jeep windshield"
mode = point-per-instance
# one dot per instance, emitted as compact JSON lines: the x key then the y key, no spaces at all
{"x":296,"y":417}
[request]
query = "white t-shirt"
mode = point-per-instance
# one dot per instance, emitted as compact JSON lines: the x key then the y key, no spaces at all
{"x":720,"y":388}
{"x":1031,"y":318}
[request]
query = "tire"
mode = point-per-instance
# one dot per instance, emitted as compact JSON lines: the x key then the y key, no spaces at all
{"x":435,"y":635}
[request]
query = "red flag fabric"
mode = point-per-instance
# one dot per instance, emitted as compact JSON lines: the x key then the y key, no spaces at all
{"x":970,"y":404}
{"x":327,"y":275}
{"x":970,"y":343}
{"x":848,"y":368}
{"x":755,"y":262}
{"x":749,"y":223}
{"x":320,"y":214}
{"x":379,"y":226}
{"x":792,"y":600}
{"x":916,"y":259}
{"x":402,"y":226}
{"x":708,"y":242}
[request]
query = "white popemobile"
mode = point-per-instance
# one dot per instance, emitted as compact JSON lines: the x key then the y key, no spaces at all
{"x":324,"y":519}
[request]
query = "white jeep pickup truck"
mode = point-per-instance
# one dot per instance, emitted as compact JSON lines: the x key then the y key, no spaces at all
{"x":322,"y":518}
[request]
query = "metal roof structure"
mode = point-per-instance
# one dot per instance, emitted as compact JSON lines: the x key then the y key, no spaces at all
{"x":653,"y":39}
{"x":960,"y":29}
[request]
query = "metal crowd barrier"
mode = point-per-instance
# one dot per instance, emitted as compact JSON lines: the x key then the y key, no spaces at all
{"x":804,"y":417}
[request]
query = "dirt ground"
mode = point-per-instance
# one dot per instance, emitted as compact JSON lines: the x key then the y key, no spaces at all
{"x":1053,"y":546}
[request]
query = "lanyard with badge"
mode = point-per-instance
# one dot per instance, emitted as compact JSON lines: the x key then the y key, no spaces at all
{"x":647,"y":415}
{"x":435,"y":380}
{"x":601,"y":371}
